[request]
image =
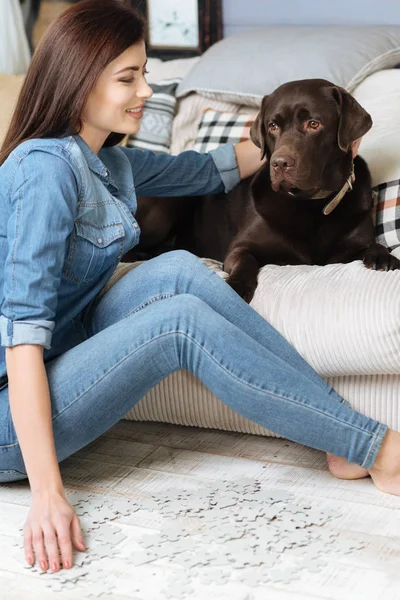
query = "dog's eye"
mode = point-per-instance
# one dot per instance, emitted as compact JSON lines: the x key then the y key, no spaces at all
{"x":313,"y":124}
{"x":272,"y":126}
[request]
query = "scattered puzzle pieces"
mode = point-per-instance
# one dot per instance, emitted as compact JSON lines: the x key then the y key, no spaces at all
{"x":228,"y":531}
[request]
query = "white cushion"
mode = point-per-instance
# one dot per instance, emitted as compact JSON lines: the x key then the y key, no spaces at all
{"x":379,"y":94}
{"x":344,"y":319}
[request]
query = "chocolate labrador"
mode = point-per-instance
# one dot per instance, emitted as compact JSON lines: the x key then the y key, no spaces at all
{"x":310,"y":203}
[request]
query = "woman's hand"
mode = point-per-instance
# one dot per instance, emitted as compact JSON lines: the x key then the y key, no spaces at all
{"x":248,"y":158}
{"x":52,"y":525}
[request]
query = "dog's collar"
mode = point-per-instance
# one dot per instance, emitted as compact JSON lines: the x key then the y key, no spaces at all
{"x":332,"y":204}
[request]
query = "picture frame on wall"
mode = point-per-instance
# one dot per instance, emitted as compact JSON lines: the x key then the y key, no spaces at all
{"x":180,"y":28}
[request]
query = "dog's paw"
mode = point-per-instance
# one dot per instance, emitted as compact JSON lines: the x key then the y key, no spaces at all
{"x":245,"y":289}
{"x":380,"y":259}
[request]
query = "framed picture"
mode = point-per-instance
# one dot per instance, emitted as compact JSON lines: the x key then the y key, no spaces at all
{"x":180,"y":28}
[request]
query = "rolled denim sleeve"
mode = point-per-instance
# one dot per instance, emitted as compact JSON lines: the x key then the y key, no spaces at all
{"x":43,"y":201}
{"x":186,"y":174}
{"x":224,"y":158}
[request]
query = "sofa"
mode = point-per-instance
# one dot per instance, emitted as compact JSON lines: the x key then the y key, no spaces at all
{"x":343,"y":319}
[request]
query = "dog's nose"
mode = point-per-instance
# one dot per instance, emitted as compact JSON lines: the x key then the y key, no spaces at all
{"x":282,"y":161}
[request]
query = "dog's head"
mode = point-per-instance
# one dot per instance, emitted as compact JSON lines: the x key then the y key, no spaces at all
{"x":305,"y":129}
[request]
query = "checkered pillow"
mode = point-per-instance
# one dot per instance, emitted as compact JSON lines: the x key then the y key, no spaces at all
{"x":387,"y":225}
{"x":156,"y":124}
{"x":218,"y":128}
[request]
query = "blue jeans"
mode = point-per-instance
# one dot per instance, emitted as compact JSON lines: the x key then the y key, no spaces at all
{"x":172,"y":313}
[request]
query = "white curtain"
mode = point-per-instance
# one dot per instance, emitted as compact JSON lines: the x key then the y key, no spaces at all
{"x":14,"y":48}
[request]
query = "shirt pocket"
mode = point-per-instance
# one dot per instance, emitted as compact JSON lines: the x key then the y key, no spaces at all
{"x":92,"y":249}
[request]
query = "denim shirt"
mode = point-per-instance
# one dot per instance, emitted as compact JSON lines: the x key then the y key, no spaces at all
{"x":67,"y":216}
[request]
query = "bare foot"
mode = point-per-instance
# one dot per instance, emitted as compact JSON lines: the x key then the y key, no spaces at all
{"x":385,"y":472}
{"x":342,"y":469}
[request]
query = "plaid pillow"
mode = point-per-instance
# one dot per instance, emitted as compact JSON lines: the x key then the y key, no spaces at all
{"x":218,"y":128}
{"x":158,"y":115}
{"x":387,"y":225}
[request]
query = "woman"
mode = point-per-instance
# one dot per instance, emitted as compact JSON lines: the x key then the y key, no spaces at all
{"x":77,"y":363}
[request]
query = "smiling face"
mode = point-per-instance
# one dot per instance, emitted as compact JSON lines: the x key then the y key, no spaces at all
{"x":116,"y":102}
{"x":305,"y":128}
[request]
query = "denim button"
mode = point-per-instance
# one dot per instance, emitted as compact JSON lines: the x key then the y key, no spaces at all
{"x":100,"y":240}
{"x":135,"y":225}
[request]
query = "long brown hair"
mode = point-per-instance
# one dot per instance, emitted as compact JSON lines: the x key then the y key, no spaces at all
{"x":70,"y":57}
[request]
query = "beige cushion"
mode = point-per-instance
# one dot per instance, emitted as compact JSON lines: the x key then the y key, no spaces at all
{"x":169,"y":69}
{"x":10,"y":86}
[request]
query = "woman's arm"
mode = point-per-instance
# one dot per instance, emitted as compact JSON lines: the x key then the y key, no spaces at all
{"x":42,"y":199}
{"x":30,"y":406}
{"x":52,"y":524}
{"x":189,"y":173}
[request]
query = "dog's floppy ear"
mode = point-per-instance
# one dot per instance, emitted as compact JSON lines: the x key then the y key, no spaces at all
{"x":257,"y":130}
{"x":354,"y":121}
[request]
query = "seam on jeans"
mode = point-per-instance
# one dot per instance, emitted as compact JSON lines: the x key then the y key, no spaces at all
{"x":185,"y":334}
{"x":140,"y":307}
{"x":275,"y":395}
{"x":148,"y":302}
{"x":112,"y":369}
{"x":373,"y":444}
